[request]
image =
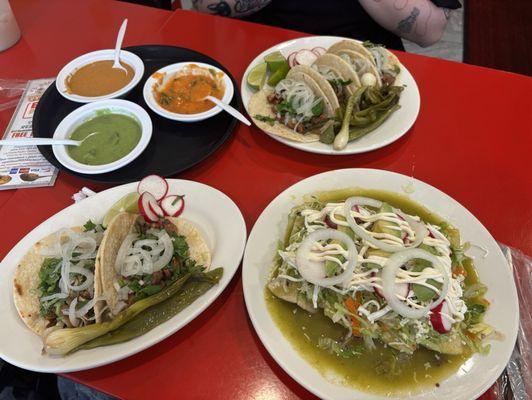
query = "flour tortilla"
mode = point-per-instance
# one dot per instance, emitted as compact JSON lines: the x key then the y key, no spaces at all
{"x":259,"y":105}
{"x":341,"y":68}
{"x":26,"y":284}
{"x":117,"y":230}
{"x":322,"y":83}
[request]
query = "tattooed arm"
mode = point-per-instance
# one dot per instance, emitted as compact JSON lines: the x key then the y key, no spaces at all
{"x":417,"y":20}
{"x":229,"y":8}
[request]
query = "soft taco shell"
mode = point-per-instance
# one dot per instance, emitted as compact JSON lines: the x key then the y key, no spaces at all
{"x":26,"y":283}
{"x":341,"y":67}
{"x":357,"y":55}
{"x":323,"y":84}
{"x":117,"y":230}
{"x":352,"y":45}
{"x":258,"y":105}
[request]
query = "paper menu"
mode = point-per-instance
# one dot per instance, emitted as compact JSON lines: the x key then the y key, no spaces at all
{"x":25,"y":166}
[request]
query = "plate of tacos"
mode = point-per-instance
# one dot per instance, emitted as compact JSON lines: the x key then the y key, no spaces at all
{"x":116,"y":273}
{"x":373,"y":292}
{"x":330,"y":95}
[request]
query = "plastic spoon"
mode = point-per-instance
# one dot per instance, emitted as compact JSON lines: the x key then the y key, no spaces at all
{"x":230,"y":110}
{"x":118,"y":46}
{"x":44,"y":141}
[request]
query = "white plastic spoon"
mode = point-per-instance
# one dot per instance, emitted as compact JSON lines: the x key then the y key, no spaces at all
{"x":43,"y":141}
{"x":118,"y":46}
{"x":229,"y":109}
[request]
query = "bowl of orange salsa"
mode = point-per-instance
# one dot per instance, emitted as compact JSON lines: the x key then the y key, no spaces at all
{"x":179,"y":91}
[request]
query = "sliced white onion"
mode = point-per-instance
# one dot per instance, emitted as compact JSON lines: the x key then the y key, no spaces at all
{"x":420,"y":230}
{"x":388,"y":277}
{"x":89,"y":277}
{"x":165,"y":258}
{"x":53,"y":297}
{"x":123,"y":251}
{"x":72,"y":312}
{"x":314,"y":271}
{"x":87,"y":307}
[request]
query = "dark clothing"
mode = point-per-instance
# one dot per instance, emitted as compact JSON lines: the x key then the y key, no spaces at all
{"x":331,"y":17}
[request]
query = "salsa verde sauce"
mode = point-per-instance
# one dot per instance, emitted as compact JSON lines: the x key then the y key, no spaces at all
{"x":117,"y":136}
{"x":382,"y":370}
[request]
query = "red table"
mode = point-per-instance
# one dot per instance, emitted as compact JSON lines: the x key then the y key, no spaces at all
{"x":470,"y":140}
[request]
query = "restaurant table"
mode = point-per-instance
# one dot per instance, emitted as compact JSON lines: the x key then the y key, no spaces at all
{"x":471,"y":140}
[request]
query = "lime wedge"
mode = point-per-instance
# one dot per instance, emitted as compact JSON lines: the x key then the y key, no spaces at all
{"x":279,"y":75}
{"x":257,"y":76}
{"x":128,"y":203}
{"x":275,"y":61}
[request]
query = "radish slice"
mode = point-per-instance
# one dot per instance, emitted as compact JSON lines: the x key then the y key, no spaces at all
{"x":173,"y":206}
{"x":154,"y":184}
{"x":292,"y":59}
{"x":319,"y":51}
{"x":156,"y":209}
{"x":145,"y":200}
{"x":330,"y":223}
{"x":401,"y":289}
{"x":439,"y":322}
{"x":305,"y":57}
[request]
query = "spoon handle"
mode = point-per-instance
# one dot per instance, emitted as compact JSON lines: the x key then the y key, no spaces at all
{"x":229,"y":109}
{"x":37,"y":142}
{"x":119,"y":41}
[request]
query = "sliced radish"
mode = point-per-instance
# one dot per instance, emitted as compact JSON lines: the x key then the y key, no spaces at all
{"x":440,"y":323}
{"x":292,"y":59}
{"x":330,"y":223}
{"x":401,"y":289}
{"x":154,"y":184}
{"x":305,"y":57}
{"x":319,"y":51}
{"x":173,"y":206}
{"x":144,"y":202}
{"x":156,"y":209}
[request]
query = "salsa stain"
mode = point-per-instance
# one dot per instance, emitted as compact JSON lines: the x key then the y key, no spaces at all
{"x":184,"y":93}
{"x":117,"y":135}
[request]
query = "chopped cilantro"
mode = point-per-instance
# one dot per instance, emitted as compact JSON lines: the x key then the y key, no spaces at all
{"x":265,"y":118}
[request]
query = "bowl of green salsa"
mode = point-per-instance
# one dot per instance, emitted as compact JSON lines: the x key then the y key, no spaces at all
{"x":112,"y":134}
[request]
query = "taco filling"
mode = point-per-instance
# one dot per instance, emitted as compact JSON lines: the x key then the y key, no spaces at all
{"x":296,"y":106}
{"x":140,"y":259}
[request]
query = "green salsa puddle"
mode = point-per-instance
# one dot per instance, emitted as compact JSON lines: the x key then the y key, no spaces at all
{"x":118,"y":135}
{"x":303,"y":330}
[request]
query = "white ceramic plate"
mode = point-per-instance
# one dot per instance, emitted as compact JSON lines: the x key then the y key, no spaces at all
{"x":125,"y":56}
{"x":209,"y":209}
{"x":88,"y":111}
{"x":474,"y":377}
{"x":391,"y":130}
{"x":172,"y":69}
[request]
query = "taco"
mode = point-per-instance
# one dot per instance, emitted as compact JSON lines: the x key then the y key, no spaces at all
{"x":296,"y":109}
{"x":139,"y":259}
{"x":351,"y":45}
{"x":54,"y":283}
{"x":362,"y":65}
{"x":387,"y":64}
{"x":339,"y":74}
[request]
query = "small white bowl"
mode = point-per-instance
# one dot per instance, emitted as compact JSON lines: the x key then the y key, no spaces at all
{"x":88,"y":111}
{"x":172,"y":69}
{"x":125,"y":56}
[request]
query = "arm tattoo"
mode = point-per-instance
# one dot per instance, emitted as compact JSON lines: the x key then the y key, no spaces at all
{"x":220,"y":8}
{"x":447,"y":12}
{"x":405,"y":25}
{"x":242,"y":6}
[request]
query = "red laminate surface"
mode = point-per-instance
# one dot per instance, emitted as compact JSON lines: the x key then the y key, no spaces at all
{"x":471,"y":140}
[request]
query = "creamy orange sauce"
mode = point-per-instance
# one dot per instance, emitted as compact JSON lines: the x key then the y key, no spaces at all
{"x":184,"y":93}
{"x":98,"y":79}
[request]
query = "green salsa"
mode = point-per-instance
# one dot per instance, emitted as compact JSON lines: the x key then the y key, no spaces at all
{"x":383,"y":371}
{"x":117,"y":136}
